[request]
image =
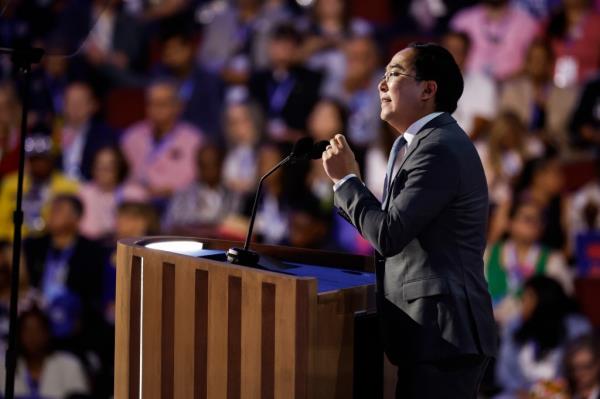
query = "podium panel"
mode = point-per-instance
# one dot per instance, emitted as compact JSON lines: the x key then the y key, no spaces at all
{"x":189,"y":326}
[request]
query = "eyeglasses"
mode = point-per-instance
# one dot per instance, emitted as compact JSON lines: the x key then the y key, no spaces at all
{"x":387,"y":75}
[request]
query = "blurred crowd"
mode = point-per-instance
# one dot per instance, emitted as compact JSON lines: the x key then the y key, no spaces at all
{"x":158,"y":117}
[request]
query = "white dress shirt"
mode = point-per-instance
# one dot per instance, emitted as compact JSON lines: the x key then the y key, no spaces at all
{"x":409,"y":135}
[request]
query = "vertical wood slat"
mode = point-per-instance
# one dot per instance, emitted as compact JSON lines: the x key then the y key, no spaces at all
{"x":251,"y":333}
{"x":151,"y":328}
{"x":200,"y":334}
{"x":302,"y":339}
{"x":234,"y":337}
{"x":285,"y":338}
{"x":217,"y":337}
{"x":268,"y":341}
{"x":184,"y":332}
{"x":134,"y":326}
{"x":167,"y":330}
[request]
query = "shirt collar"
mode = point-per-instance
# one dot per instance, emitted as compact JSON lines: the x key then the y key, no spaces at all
{"x":413,"y":129}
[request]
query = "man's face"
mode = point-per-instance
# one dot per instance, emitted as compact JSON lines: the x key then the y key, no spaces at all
{"x":282,"y":52}
{"x":400,"y":93}
{"x":361,"y":59}
{"x":177,"y":54}
{"x":162,"y":106}
{"x":79,"y":104}
{"x":62,"y":218}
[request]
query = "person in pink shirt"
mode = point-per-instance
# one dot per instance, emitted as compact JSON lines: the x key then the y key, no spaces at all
{"x":500,"y":34}
{"x":161,"y":149}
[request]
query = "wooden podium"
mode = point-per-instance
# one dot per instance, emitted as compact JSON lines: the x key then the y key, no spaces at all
{"x":190,"y":327}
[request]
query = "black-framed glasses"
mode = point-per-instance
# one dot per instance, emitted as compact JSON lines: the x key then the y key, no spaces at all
{"x":386,"y":75}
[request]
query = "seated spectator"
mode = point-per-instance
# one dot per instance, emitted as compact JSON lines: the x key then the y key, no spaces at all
{"x":582,"y":367}
{"x":503,"y":153}
{"x":477,"y":105}
{"x":41,"y":183}
{"x":357,"y":90}
{"x":574,"y":32}
{"x":200,"y":91}
{"x":544,"y":107}
{"x":161,"y":150}
{"x":101,"y":195}
{"x":244,"y":126}
{"x":81,"y":135}
{"x":286,"y":90}
{"x":585,"y":122}
{"x":511,"y":261}
{"x":236,"y":36}
{"x":67,"y":270}
{"x":10,"y":117}
{"x":206,"y":202}
{"x":500,"y":34}
{"x":532,"y":345}
{"x":111,"y":40}
{"x":328,"y":26}
{"x":542,"y":181}
{"x":272,"y":217}
{"x":41,"y":371}
{"x":328,"y":118}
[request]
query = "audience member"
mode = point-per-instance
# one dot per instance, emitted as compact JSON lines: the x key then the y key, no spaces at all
{"x":236,"y":38}
{"x":67,"y":269}
{"x":357,"y":90}
{"x":200,"y":90}
{"x":286,"y":91}
{"x":542,"y":182}
{"x":80,"y":135}
{"x":101,"y":195}
{"x":328,"y":26}
{"x":574,"y":32}
{"x":511,"y":261}
{"x":43,"y":372}
{"x":309,"y":224}
{"x":582,"y":367}
{"x":544,"y":107}
{"x":272,"y":217}
{"x":478,"y":104}
{"x":503,"y":153}
{"x":41,"y":183}
{"x":500,"y":34}
{"x":585,"y":122}
{"x":161,"y":150}
{"x":244,"y":124}
{"x":532,"y":345}
{"x":206,"y":202}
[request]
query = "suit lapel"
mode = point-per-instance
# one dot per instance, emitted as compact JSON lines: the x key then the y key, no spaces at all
{"x":435,"y":123}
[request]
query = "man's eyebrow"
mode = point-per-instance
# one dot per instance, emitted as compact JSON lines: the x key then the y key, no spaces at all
{"x":398,"y":66}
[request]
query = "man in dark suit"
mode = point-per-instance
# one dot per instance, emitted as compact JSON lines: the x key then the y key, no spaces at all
{"x":429,"y":232}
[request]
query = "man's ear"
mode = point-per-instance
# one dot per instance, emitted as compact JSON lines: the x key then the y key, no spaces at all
{"x":429,"y":90}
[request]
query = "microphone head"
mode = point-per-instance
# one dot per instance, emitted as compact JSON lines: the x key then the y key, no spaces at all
{"x":318,"y":149}
{"x":302,"y":148}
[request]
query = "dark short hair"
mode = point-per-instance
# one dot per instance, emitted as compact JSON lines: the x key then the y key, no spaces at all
{"x":286,"y":31}
{"x":434,"y":62}
{"x":72,"y":200}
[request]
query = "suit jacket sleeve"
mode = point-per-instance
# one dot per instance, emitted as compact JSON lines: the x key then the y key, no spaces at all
{"x":432,"y":181}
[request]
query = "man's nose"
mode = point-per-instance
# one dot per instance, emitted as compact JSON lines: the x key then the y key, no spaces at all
{"x":383,"y":87}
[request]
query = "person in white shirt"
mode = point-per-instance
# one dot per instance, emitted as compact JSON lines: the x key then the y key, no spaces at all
{"x":41,"y":372}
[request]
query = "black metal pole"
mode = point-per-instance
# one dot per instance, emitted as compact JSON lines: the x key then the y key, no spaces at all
{"x":22,"y":59}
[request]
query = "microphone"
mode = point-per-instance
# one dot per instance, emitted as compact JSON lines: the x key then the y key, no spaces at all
{"x":303,"y":149}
